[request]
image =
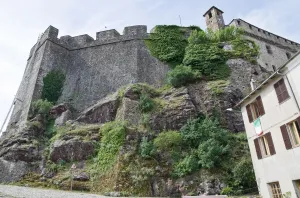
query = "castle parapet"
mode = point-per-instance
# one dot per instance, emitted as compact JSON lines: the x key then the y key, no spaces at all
{"x":50,"y":33}
{"x":137,"y":30}
{"x":107,"y":35}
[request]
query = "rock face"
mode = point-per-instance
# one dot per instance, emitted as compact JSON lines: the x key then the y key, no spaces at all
{"x":71,"y":150}
{"x":177,"y":109}
{"x":103,"y":111}
{"x":12,"y":171}
{"x":20,"y":153}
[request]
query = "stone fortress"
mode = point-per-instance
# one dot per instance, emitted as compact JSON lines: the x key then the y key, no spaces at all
{"x":274,"y":50}
{"x":97,"y":67}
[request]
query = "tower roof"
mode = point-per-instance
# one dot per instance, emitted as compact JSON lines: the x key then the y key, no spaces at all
{"x":213,"y":7}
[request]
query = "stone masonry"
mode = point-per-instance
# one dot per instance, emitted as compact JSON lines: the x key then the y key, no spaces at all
{"x":274,"y":50}
{"x":93,"y":68}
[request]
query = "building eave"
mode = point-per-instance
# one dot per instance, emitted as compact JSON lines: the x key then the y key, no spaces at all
{"x":265,"y":82}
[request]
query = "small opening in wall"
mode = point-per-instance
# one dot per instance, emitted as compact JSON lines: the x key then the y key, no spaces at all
{"x":239,"y":23}
{"x":269,"y":50}
{"x":210,"y":15}
{"x":274,"y":68}
{"x":288,"y":55}
{"x":267,"y":64}
{"x":250,"y":26}
{"x":278,"y":37}
{"x":258,"y":29}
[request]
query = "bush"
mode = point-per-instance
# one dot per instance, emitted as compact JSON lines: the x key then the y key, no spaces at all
{"x":146,"y":104}
{"x":146,"y":148}
{"x":53,"y":83}
{"x":182,"y":75}
{"x":227,"y":191}
{"x":167,"y":141}
{"x":208,"y":59}
{"x":211,"y":153}
{"x":243,"y":174}
{"x":113,"y":136}
{"x":188,"y":165}
{"x":40,"y":106}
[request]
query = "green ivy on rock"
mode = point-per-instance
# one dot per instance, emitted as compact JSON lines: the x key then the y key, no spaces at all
{"x":53,"y":84}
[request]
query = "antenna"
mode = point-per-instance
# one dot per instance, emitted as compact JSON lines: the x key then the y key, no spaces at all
{"x":180,"y":20}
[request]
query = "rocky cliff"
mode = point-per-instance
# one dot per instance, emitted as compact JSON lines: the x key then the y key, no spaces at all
{"x":146,"y":141}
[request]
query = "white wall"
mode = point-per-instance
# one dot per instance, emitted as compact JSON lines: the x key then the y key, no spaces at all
{"x":284,"y":166}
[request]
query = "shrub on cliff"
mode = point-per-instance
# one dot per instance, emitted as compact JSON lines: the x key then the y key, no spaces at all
{"x":182,"y":75}
{"x":146,"y":104}
{"x":167,"y":141}
{"x":40,"y":107}
{"x":53,"y":84}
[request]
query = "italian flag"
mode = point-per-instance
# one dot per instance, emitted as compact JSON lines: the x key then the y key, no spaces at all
{"x":257,"y":127}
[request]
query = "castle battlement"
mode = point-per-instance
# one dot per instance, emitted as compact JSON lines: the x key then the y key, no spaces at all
{"x":85,"y":40}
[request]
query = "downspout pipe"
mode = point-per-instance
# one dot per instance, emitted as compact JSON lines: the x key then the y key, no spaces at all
{"x":290,"y":89}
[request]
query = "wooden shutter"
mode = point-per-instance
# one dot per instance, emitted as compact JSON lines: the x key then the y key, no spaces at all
{"x":298,"y":120}
{"x":257,"y":148}
{"x":260,"y":106}
{"x":284,"y":92}
{"x":250,"y":117}
{"x":270,"y":143}
{"x":286,"y":138}
{"x":281,"y":91}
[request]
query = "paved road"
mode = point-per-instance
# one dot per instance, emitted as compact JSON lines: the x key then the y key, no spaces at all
{"x":8,"y":191}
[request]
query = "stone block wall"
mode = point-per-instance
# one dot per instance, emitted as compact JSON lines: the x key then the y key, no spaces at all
{"x":93,"y":68}
{"x":279,"y":46}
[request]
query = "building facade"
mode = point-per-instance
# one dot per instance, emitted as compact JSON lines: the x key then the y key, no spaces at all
{"x":274,"y":50}
{"x":271,"y":116}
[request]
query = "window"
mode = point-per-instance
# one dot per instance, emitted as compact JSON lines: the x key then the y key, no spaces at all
{"x":275,"y":190}
{"x":269,"y":50}
{"x":274,"y":68}
{"x":281,"y":91}
{"x":239,"y":23}
{"x":210,"y":15}
{"x":255,"y":109}
{"x":264,"y":146}
{"x":288,"y":55}
{"x":291,"y":134}
{"x":297,"y":187}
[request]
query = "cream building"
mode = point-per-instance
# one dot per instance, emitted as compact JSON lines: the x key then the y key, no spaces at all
{"x":271,"y":116}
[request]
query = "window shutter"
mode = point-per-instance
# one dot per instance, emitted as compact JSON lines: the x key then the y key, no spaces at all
{"x":257,"y":148}
{"x":286,"y":138}
{"x":278,"y":92}
{"x":281,"y":91}
{"x":270,"y":143}
{"x":260,"y":106}
{"x":298,"y":120}
{"x":250,"y":117}
{"x":284,"y":92}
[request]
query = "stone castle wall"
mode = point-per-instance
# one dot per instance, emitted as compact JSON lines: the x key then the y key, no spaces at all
{"x":93,"y":68}
{"x":279,"y":46}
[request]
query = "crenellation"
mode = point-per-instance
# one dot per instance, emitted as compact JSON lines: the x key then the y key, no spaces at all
{"x":137,"y":30}
{"x":107,"y":35}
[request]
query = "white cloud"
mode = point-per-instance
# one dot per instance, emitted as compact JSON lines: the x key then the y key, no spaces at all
{"x":279,"y":17}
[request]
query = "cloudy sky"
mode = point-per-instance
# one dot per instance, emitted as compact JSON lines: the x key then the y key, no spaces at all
{"x":22,"y":21}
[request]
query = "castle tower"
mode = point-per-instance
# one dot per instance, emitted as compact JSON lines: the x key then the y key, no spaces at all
{"x":214,"y":19}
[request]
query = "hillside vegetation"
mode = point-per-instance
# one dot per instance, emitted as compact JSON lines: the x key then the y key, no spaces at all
{"x":154,"y":141}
